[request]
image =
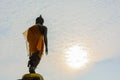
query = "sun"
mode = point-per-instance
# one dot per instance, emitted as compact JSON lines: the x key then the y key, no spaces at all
{"x":76,"y":57}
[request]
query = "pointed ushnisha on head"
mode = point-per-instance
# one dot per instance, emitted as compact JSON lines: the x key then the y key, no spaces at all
{"x":39,"y":20}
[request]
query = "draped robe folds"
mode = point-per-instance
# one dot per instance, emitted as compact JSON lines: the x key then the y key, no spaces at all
{"x":35,"y":40}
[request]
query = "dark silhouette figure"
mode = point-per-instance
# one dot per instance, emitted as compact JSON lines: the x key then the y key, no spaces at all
{"x":36,"y":38}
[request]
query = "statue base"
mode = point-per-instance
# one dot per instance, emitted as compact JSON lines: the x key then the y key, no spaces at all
{"x":32,"y":76}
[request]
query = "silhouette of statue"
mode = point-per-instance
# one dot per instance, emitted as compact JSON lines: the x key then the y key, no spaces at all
{"x":36,"y":37}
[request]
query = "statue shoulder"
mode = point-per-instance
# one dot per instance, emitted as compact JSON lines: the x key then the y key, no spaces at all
{"x":45,"y":28}
{"x":33,"y":26}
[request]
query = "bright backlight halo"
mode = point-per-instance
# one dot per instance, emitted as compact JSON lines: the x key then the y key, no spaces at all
{"x":76,"y":57}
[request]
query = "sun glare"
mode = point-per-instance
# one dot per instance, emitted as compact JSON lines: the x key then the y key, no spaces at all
{"x":76,"y":57}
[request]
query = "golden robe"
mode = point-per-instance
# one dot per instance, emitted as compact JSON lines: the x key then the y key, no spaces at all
{"x":35,"y":40}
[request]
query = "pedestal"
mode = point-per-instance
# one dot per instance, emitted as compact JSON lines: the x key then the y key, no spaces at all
{"x":32,"y":76}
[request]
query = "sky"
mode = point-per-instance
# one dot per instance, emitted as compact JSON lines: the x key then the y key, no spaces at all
{"x":92,"y":24}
